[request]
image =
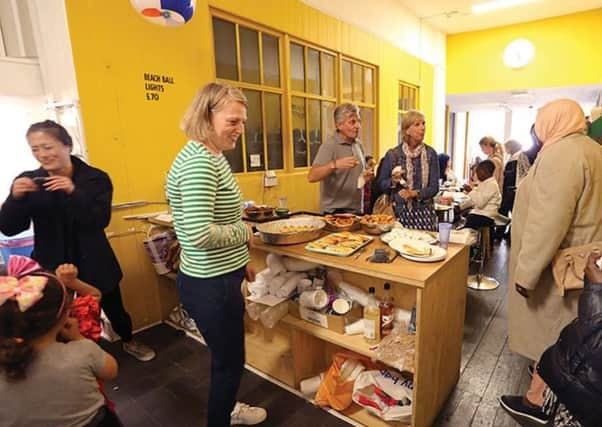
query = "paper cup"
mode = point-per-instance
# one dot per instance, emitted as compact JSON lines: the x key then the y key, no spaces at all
{"x":317,"y":299}
{"x":309,"y":386}
{"x":304,"y":285}
{"x":355,"y":328}
{"x":341,"y":306}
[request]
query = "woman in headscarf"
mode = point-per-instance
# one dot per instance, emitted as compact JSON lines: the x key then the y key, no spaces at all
{"x":410,"y":172}
{"x":557,"y":206}
{"x":493,"y":150}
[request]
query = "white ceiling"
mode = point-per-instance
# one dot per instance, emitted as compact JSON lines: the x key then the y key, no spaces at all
{"x":535,"y":98}
{"x":454,"y":16}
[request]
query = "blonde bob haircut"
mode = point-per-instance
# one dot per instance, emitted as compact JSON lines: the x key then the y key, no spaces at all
{"x":409,"y":119}
{"x":197,"y":121}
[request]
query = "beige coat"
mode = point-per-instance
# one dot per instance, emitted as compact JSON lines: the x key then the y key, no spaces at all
{"x":558,"y":205}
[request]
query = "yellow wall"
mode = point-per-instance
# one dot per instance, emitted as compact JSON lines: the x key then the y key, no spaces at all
{"x":135,"y":140}
{"x":568,"y":52}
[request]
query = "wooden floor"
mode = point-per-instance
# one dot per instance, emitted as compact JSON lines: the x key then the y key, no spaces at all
{"x":171,"y":390}
{"x":488,"y":368}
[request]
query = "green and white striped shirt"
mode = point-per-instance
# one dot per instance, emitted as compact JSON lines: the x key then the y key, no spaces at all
{"x":205,"y":201}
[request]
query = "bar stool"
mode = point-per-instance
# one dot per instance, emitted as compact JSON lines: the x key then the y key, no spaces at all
{"x":479,"y":281}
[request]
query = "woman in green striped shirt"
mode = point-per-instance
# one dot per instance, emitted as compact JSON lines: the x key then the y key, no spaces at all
{"x":205,"y":200}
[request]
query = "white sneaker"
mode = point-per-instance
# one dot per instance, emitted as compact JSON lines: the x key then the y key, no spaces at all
{"x":247,"y":415}
{"x":140,"y":351}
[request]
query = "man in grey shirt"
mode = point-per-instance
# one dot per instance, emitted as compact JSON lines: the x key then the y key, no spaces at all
{"x":340,"y":165}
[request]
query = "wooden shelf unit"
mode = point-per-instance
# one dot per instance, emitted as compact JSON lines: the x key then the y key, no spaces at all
{"x":439,"y":292}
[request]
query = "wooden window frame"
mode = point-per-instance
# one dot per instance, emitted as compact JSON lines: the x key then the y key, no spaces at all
{"x":261,"y":87}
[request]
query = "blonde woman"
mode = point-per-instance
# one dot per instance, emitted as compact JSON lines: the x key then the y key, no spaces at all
{"x":494,"y":152}
{"x":205,"y":200}
{"x":410,"y":172}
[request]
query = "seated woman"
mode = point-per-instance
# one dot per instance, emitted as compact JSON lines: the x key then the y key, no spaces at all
{"x":486,"y":197}
{"x":567,"y":384}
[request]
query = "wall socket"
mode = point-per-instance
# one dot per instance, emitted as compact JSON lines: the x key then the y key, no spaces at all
{"x":270,"y":179}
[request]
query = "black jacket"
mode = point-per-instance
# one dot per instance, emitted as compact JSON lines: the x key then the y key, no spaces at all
{"x":572,"y":367}
{"x":69,"y":228}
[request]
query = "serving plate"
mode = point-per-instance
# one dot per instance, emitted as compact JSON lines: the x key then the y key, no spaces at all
{"x":282,"y":232}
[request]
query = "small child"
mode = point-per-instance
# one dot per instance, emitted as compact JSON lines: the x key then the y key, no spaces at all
{"x":370,"y":165}
{"x":44,"y":381}
{"x":486,"y":197}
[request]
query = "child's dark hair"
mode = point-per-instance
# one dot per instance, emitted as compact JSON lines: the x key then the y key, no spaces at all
{"x":53,"y":129}
{"x":18,"y":329}
{"x":486,"y":167}
{"x":368,"y":158}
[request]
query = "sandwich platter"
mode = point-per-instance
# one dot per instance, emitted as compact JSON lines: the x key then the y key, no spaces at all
{"x":415,"y":250}
{"x":408,"y":234}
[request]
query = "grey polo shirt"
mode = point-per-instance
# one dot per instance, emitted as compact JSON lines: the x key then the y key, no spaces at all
{"x":339,"y":189}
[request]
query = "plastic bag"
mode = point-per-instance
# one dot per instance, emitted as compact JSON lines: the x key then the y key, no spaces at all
{"x":397,"y":350}
{"x":271,"y":315}
{"x":384,"y":393}
{"x":157,"y":247}
{"x":334,"y":391}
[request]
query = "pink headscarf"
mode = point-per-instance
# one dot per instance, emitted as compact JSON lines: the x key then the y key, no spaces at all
{"x":557,"y":119}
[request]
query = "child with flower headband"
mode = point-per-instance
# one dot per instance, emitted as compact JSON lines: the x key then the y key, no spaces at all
{"x":58,"y":379}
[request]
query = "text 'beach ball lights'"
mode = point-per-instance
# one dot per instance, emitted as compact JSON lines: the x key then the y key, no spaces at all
{"x":167,"y":13}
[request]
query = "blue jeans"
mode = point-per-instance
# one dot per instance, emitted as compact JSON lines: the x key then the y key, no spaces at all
{"x":216,"y":305}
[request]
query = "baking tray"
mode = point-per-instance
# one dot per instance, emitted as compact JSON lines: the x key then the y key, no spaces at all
{"x":327,"y":251}
{"x":269,"y":232}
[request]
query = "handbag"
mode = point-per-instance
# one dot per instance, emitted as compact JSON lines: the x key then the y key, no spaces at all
{"x":383,"y":205}
{"x":569,"y":264}
{"x":418,"y":216}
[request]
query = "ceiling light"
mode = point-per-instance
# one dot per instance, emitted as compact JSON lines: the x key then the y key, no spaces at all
{"x":498,"y":4}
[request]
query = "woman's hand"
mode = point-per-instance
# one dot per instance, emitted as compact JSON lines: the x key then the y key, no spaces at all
{"x":593,"y":273}
{"x":70,"y":331}
{"x":249,"y":273}
{"x":368,"y":175}
{"x":408,"y":194}
{"x":59,"y":183}
{"x":67,"y":273}
{"x":22,"y":186}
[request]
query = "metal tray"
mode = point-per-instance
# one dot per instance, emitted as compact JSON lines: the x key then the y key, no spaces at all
{"x":270,"y":234}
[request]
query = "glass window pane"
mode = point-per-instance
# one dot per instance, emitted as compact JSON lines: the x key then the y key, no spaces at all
{"x":315,"y":131}
{"x":400,"y":98}
{"x":299,"y":135}
{"x":313,"y":71}
{"x":367,"y":116}
{"x":224,"y":37}
{"x":328,"y":127}
{"x":271,"y":61}
{"x":297,"y":68}
{"x":399,"y":118}
{"x":347,"y":80}
{"x":368,"y":85}
{"x":249,"y":55}
{"x":273,"y":130}
{"x":358,"y":82}
{"x":254,"y":132}
{"x":328,"y":75}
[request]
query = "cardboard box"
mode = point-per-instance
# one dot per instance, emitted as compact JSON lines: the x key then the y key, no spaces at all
{"x":333,"y":322}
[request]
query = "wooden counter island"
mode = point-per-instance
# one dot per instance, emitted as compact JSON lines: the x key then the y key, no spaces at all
{"x":296,"y":349}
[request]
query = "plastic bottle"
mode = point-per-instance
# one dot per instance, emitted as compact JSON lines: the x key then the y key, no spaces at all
{"x":386,"y":312}
{"x":372,"y":319}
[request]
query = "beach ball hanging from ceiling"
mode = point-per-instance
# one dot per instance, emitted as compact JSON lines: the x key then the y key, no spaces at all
{"x":167,"y":13}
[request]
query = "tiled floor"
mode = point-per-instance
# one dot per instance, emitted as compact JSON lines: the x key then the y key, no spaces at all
{"x":171,"y":391}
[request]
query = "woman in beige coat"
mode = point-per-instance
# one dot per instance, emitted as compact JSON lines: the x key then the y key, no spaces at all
{"x":558,"y":205}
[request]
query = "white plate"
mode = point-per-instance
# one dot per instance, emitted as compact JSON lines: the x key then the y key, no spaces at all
{"x":437,"y":253}
{"x":406,"y":233}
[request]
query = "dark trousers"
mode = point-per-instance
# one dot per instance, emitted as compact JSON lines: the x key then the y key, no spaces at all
{"x":475,"y":221}
{"x":216,"y":305}
{"x":112,"y":305}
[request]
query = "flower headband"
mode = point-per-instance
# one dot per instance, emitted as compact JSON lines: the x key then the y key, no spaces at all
{"x":23,"y":287}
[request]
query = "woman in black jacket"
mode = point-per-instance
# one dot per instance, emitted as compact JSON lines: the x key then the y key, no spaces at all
{"x":69,"y":203}
{"x":571,"y":369}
